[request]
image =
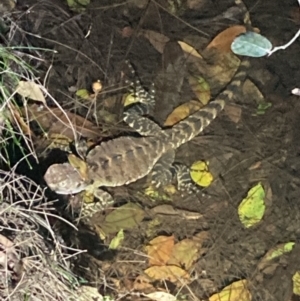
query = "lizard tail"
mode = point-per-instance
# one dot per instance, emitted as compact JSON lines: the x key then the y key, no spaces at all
{"x":193,"y":125}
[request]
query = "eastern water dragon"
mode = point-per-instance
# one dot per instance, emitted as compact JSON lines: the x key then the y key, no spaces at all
{"x":126,"y":159}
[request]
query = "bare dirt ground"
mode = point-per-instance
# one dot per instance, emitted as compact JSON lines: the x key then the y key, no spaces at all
{"x":92,"y":45}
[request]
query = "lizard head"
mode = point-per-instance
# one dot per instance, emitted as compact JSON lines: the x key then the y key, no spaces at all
{"x":64,"y":179}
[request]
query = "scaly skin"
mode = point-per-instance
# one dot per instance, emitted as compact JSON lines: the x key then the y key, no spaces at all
{"x":126,"y":159}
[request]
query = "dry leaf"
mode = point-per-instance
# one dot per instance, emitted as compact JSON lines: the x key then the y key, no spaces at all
{"x":88,"y":293}
{"x":188,"y":49}
{"x":233,"y":112}
{"x":171,"y":273}
{"x":221,"y":71}
{"x":225,"y":38}
{"x":200,"y":238}
{"x":159,"y":250}
{"x":157,"y":39}
{"x":161,"y":296}
{"x":252,"y":93}
{"x":276,"y":251}
{"x":182,"y":112}
{"x":17,"y":118}
{"x":184,"y":254}
{"x":142,"y":283}
{"x":53,"y":121}
{"x":125,"y":217}
{"x":236,"y":291}
{"x":30,"y":90}
{"x":201,"y":89}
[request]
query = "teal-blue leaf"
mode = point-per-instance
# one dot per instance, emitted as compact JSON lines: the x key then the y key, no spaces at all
{"x":251,"y":44}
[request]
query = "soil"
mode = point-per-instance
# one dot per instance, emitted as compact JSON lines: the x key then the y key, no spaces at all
{"x":93,"y":45}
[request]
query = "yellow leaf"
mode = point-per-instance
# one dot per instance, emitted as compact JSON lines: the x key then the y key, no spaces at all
{"x":252,"y":208}
{"x":200,"y":174}
{"x":171,"y":273}
{"x":236,"y":291}
{"x":117,"y":240}
{"x":200,"y":88}
{"x":159,"y":250}
{"x":189,"y":49}
{"x":129,"y":99}
{"x":79,"y":164}
{"x":182,"y":112}
{"x":296,"y":283}
{"x":31,"y":90}
{"x":184,"y":254}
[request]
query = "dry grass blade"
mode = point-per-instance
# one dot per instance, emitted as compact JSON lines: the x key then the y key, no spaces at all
{"x":28,"y":267}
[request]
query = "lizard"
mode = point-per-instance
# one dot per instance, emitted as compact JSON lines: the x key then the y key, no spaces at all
{"x":126,"y":159}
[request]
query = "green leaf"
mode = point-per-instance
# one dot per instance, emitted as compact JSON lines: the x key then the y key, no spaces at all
{"x":125,"y":217}
{"x":262,"y":107}
{"x":251,"y":44}
{"x":281,"y":249}
{"x":78,"y":5}
{"x":83,"y":93}
{"x":252,"y":208}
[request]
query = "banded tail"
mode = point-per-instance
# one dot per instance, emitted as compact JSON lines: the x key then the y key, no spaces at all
{"x":193,"y":125}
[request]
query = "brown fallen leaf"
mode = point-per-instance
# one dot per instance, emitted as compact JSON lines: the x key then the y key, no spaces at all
{"x":224,"y":39}
{"x":200,"y":238}
{"x":233,"y":112}
{"x":156,"y":39}
{"x":142,"y":283}
{"x":182,"y":112}
{"x":171,"y":273}
{"x":53,"y":121}
{"x":16,"y":118}
{"x":159,"y":250}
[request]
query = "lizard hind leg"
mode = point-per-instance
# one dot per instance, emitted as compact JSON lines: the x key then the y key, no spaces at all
{"x":143,"y":105}
{"x":184,"y":181}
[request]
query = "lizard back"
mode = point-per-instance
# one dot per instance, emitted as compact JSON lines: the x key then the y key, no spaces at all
{"x":124,"y":160}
